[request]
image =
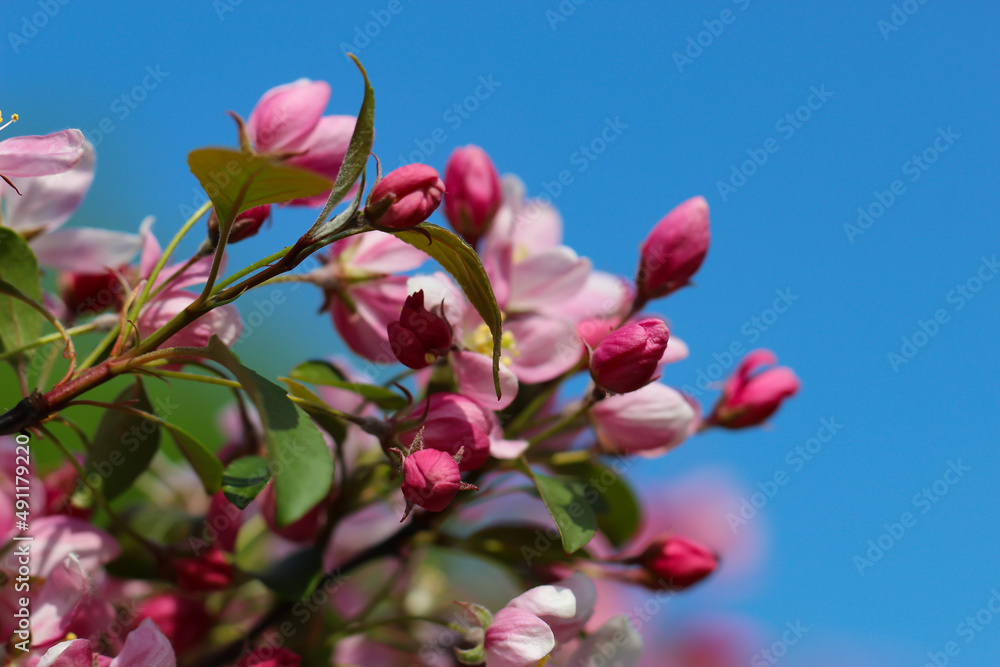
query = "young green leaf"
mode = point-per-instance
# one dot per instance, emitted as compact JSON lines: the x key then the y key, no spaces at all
{"x":328,"y":375}
{"x":360,"y":146}
{"x":20,"y":324}
{"x":124,"y":444}
{"x":301,"y":463}
{"x":459,"y":259}
{"x":206,"y":465}
{"x":236,"y":181}
{"x":244,"y":479}
{"x":619,"y":514}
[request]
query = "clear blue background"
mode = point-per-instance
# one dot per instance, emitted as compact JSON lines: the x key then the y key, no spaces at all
{"x":686,"y":128}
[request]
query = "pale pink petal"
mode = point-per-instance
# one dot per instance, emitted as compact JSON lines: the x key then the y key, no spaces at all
{"x":438,"y":289}
{"x":76,"y":653}
{"x":41,"y":155}
{"x":517,"y":638}
{"x":86,"y":249}
{"x":151,"y":251}
{"x":324,"y":151}
{"x":546,"y":278}
{"x":223,"y":322}
{"x":603,"y":297}
{"x":363,"y":529}
{"x":58,"y":536}
{"x":47,"y":202}
{"x":507,"y":449}
{"x":377,"y":303}
{"x":474,"y":375}
{"x":377,"y":253}
{"x":677,"y":350}
{"x":53,"y":608}
{"x":286,"y":115}
{"x":146,"y":646}
{"x":544,"y":347}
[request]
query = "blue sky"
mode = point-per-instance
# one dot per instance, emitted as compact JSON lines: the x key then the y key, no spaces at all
{"x":836,"y":106}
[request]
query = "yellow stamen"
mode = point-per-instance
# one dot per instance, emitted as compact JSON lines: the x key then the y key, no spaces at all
{"x":70,"y":637}
{"x":482,"y":342}
{"x":13,"y":119}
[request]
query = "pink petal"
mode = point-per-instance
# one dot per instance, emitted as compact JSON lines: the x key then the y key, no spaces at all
{"x":287,"y":114}
{"x":602,"y":297}
{"x":549,"y":277}
{"x":517,"y":638}
{"x":86,"y":249}
{"x":58,"y":536}
{"x":146,"y":646}
{"x":474,"y":375}
{"x":377,"y":303}
{"x":223,"y":322}
{"x":53,"y":608}
{"x":76,"y":653}
{"x":41,"y":155}
{"x":47,"y":202}
{"x":544,"y":347}
{"x":324,"y":153}
{"x":378,"y":253}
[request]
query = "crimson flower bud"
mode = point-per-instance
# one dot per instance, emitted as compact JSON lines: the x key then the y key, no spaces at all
{"x":748,"y":398}
{"x":431,"y":479}
{"x":247,"y":224}
{"x":674,"y":250}
{"x":84,"y":293}
{"x":405,"y":197}
{"x":473,"y":192}
{"x":269,"y":656}
{"x":183,"y":620}
{"x":208,"y":572}
{"x":674,"y":562}
{"x":420,"y":336}
{"x":627,"y":358}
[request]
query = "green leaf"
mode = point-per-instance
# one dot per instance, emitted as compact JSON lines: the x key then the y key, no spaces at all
{"x":124,"y":444}
{"x":236,"y":181}
{"x":566,"y":502}
{"x":510,"y":543}
{"x":295,"y":576}
{"x":301,"y":463}
{"x":360,"y":146}
{"x":206,"y":464}
{"x":619,"y":513}
{"x":326,"y":421}
{"x":328,"y":375}
{"x":20,"y":324}
{"x":244,"y":479}
{"x":459,"y":259}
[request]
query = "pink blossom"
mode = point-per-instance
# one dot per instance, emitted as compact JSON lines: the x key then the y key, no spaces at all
{"x":627,"y":359}
{"x":183,"y":620}
{"x":289,"y":119}
{"x":648,"y":421}
{"x":752,"y":395}
{"x":209,"y":571}
{"x":674,"y":249}
{"x":473,"y":192}
{"x":405,"y":197}
{"x":517,"y":638}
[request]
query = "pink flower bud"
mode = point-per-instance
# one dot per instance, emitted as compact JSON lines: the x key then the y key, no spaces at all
{"x":208,"y":572}
{"x":405,"y":197}
{"x":184,"y":621}
{"x":517,"y":638}
{"x":454,"y":422}
{"x":431,"y":479}
{"x":674,"y":250}
{"x":247,"y":224}
{"x":420,"y":336}
{"x":649,"y":420}
{"x":674,"y":562}
{"x":627,"y":358}
{"x":748,"y":398}
{"x":269,"y":656}
{"x":473,"y":192}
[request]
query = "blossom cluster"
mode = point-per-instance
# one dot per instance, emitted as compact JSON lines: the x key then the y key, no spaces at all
{"x":345,"y":512}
